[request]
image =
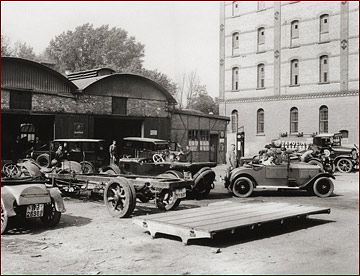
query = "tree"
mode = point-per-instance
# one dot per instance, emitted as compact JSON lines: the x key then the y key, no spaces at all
{"x":5,"y":45}
{"x":203,"y":102}
{"x":159,"y":78}
{"x":88,"y":47}
{"x":22,"y":50}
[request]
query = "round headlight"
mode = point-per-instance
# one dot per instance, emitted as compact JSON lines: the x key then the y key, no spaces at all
{"x":354,"y":155}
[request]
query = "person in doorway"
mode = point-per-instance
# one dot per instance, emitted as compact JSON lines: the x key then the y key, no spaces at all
{"x":112,"y":152}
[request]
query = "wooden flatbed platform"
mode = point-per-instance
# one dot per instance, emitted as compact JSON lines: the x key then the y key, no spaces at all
{"x":205,"y":222}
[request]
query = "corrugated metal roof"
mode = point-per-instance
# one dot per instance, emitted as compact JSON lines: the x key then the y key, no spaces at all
{"x":200,"y":114}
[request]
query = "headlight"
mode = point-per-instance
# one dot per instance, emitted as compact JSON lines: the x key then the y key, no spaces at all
{"x":354,"y":155}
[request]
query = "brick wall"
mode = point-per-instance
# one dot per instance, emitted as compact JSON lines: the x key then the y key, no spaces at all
{"x":82,"y":105}
{"x":141,"y":107}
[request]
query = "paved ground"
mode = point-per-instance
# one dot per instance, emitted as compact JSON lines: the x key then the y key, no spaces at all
{"x":89,"y":241}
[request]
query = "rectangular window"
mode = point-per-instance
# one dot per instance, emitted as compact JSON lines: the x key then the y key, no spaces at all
{"x":119,"y":105}
{"x":261,"y":5}
{"x":324,"y":69}
{"x":20,"y":100}
{"x":204,"y":140}
{"x":193,"y":139}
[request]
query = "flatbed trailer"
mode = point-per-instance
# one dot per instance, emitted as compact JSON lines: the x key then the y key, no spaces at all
{"x":206,"y":222}
{"x":121,"y":191}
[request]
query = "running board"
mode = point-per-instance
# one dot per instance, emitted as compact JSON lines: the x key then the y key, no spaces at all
{"x":205,"y":222}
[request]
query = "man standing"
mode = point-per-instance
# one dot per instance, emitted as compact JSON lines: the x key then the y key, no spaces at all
{"x":112,"y":151}
{"x":188,"y":154}
{"x":231,"y":160}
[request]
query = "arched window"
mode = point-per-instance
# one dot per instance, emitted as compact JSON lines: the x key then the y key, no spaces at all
{"x":235,"y":40}
{"x":260,"y":121}
{"x":324,"y":23}
{"x":324,"y":69}
{"x":261,"y":36}
{"x":295,"y":29}
{"x":235,"y":8}
{"x":261,"y":76}
{"x":294,"y":72}
{"x":234,"y":121}
{"x":294,"y":123}
{"x":323,"y":119}
{"x":235,"y":78}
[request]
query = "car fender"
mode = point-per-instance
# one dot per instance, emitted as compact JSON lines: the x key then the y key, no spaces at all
{"x":343,"y":156}
{"x":312,"y":180}
{"x":8,"y":200}
{"x":113,"y":167}
{"x":240,"y":173}
{"x":202,"y":173}
{"x":56,"y":196}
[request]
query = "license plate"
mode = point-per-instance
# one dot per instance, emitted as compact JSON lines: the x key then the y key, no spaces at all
{"x":35,"y":211}
{"x":180,"y":193}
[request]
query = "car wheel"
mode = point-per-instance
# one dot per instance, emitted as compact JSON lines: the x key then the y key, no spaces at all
{"x":344,"y":165}
{"x":87,"y":167}
{"x":120,"y":198}
{"x":316,"y":162}
{"x":43,"y":160}
{"x":51,"y":215}
{"x":167,"y":200}
{"x":4,"y":219}
{"x":203,"y":183}
{"x":242,"y":187}
{"x":323,"y":187}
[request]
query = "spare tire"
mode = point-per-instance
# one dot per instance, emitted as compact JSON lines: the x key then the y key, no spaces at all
{"x":43,"y":160}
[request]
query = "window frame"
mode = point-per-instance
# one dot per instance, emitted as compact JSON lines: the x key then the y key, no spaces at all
{"x":261,"y":76}
{"x":323,"y":123}
{"x":235,"y":79}
{"x":235,"y":40}
{"x":260,"y":121}
{"x":234,"y":121}
{"x":294,"y":120}
{"x":294,"y":34}
{"x":294,"y":72}
{"x":324,"y":26}
{"x":260,"y":36}
{"x":324,"y":69}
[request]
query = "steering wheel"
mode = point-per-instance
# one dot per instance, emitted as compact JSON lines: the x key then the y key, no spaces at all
{"x":158,"y":158}
{"x":11,"y":170}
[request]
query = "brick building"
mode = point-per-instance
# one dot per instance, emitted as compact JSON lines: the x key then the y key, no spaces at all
{"x":38,"y":102}
{"x":291,"y":68}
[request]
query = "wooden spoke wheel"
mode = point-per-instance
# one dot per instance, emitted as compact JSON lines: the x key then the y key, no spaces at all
{"x":120,"y":198}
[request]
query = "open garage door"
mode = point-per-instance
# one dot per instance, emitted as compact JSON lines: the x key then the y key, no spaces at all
{"x":116,"y":129}
{"x":32,"y":130}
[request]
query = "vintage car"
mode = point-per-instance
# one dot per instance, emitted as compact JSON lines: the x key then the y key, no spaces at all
{"x":345,"y":158}
{"x":27,"y":195}
{"x":288,"y":175}
{"x":89,"y":153}
{"x":146,"y":156}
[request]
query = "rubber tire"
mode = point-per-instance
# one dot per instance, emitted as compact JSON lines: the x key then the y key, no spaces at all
{"x":4,"y":219}
{"x":340,"y":168}
{"x":248,"y":190}
{"x":87,"y":167}
{"x":315,"y":162}
{"x":51,"y":215}
{"x":129,"y":198}
{"x":43,"y":158}
{"x":320,"y":190}
{"x":165,"y":205}
{"x":200,"y":194}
